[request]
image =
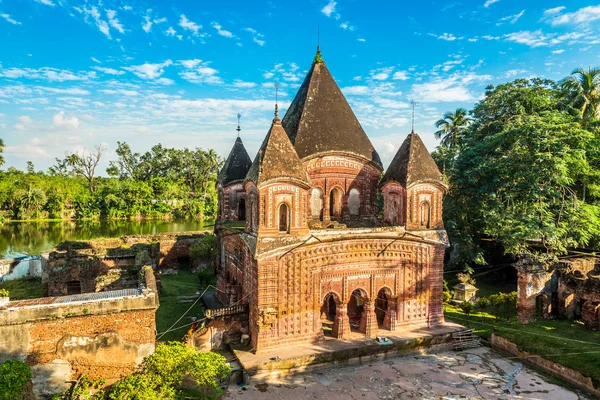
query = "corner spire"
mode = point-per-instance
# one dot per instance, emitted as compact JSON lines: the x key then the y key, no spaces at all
{"x":238,"y":127}
{"x":413,"y":103}
{"x":318,"y":57}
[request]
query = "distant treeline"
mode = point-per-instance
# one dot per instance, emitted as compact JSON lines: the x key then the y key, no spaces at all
{"x":161,"y":183}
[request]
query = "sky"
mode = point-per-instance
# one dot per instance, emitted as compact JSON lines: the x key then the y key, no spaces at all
{"x":74,"y":74}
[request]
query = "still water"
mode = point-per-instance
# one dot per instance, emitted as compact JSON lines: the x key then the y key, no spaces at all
{"x":31,"y":238}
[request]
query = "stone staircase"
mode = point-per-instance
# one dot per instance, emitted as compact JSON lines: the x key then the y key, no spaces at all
{"x":465,"y":339}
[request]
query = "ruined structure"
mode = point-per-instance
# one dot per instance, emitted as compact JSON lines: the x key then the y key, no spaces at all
{"x":315,"y":256}
{"x":100,"y":335}
{"x":568,"y":289}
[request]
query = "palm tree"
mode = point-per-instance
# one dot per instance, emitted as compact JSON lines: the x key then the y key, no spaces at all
{"x":31,"y":202}
{"x":451,"y":126}
{"x":584,"y":89}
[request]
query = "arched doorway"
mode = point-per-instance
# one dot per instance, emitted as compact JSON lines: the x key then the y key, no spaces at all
{"x":242,"y":209}
{"x":316,"y":204}
{"x":354,"y":202}
{"x":425,"y":214}
{"x":329,"y":311}
{"x":335,"y":202}
{"x":284,"y":218}
{"x":384,"y":297}
{"x":356,"y":308}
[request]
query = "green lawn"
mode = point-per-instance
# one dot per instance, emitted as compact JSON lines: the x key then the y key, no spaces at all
{"x":170,"y":309}
{"x":24,"y":288}
{"x":562,"y":341}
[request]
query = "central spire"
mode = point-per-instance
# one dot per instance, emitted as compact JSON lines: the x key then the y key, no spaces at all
{"x":318,"y":57}
{"x":276,"y":120}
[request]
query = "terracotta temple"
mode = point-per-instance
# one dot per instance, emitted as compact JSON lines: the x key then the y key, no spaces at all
{"x":316,"y":239}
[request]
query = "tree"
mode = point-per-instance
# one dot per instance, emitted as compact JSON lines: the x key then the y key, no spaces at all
{"x":127,"y":164}
{"x":85,"y":164}
{"x":451,"y":126}
{"x":30,"y":167}
{"x":1,"y":150}
{"x":520,"y":173}
{"x":14,"y":375}
{"x":583,"y":90}
{"x":31,"y":202}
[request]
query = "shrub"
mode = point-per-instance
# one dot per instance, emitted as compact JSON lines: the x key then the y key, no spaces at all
{"x":447,"y":297}
{"x":14,"y":375}
{"x":204,"y":250}
{"x":84,"y":389}
{"x":467,"y":307}
{"x":4,"y":293}
{"x":465,"y":278}
{"x":483,"y":302}
{"x":503,"y":304}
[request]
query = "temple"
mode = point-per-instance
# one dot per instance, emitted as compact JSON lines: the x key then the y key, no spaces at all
{"x":314,"y":241}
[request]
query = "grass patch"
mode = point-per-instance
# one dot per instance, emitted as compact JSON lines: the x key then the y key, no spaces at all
{"x":562,"y":341}
{"x":170,"y":309}
{"x":24,"y":288}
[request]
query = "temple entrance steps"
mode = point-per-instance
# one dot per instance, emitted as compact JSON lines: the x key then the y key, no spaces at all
{"x":465,"y":339}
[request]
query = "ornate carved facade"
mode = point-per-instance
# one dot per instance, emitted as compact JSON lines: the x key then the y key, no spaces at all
{"x":316,"y":256}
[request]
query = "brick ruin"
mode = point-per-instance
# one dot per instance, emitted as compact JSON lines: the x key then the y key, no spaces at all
{"x":569,"y":289}
{"x":101,"y":335}
{"x":111,"y":264}
{"x":315,"y":256}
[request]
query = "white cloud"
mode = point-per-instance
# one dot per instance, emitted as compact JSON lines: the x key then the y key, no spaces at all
{"x":198,"y":71}
{"x":113,"y":21}
{"x":222,"y":31}
{"x":356,"y":90}
{"x":361,"y":40}
{"x":257,"y":38}
{"x":400,"y":75}
{"x":529,"y":38}
{"x":381,"y":74}
{"x":489,"y":3}
{"x":72,"y":91}
{"x":241,"y":84}
{"x":449,"y":37}
{"x":555,"y":10}
{"x":96,"y":17}
{"x":45,"y":2}
{"x":512,"y":18}
{"x":9,"y":19}
{"x":582,"y":16}
{"x":514,"y":72}
{"x":109,"y":71}
{"x":123,"y":92}
{"x":23,"y":122}
{"x":346,"y":26}
{"x":448,"y":89}
{"x":149,"y":71}
{"x":60,"y":121}
{"x":189,"y":25}
{"x":560,"y":51}
{"x":170,"y":32}
{"x":147,"y":26}
{"x":165,"y":81}
{"x":329,"y":8}
{"x":96,"y":60}
{"x":46,"y":73}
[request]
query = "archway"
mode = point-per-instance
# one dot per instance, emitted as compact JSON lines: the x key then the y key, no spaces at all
{"x":395,"y":213}
{"x":356,"y":308}
{"x":242,"y":209}
{"x":316,"y":204}
{"x":335,"y":202}
{"x":329,"y":312}
{"x":425,"y":214}
{"x":284,"y":218}
{"x":354,"y":202}
{"x":382,"y":304}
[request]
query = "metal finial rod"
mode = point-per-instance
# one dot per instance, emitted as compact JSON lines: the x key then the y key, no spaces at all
{"x":238,"y":127}
{"x":413,"y":115}
{"x":276,"y":99}
{"x":318,"y":37}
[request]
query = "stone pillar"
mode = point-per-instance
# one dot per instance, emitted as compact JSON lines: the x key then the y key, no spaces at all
{"x":390,"y":321}
{"x":368,"y":319}
{"x":341,"y":325}
{"x":530,"y":283}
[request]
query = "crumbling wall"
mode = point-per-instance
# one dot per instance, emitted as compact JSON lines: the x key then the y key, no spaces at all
{"x":221,"y":332}
{"x":61,"y":341}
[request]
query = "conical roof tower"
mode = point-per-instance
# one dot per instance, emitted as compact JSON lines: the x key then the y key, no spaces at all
{"x":412,"y":164}
{"x":320,"y":119}
{"x":236,"y":166}
{"x":277,"y":158}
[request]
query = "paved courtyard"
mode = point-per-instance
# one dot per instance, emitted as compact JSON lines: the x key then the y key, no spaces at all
{"x":472,"y":374}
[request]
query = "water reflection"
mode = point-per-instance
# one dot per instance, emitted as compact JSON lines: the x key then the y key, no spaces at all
{"x":31,"y":238}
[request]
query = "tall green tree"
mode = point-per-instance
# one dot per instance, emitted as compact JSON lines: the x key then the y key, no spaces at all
{"x":519,"y":174}
{"x":583,"y":89}
{"x":451,"y":126}
{"x":1,"y":150}
{"x":31,"y":202}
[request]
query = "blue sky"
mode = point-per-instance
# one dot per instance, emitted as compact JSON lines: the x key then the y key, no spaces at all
{"x":75,"y":73}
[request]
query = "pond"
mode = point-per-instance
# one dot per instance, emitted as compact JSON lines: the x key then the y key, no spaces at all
{"x":31,"y":238}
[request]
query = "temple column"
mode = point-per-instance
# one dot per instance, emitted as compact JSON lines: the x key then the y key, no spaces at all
{"x":341,"y":325}
{"x":390,"y":321}
{"x":368,"y":319}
